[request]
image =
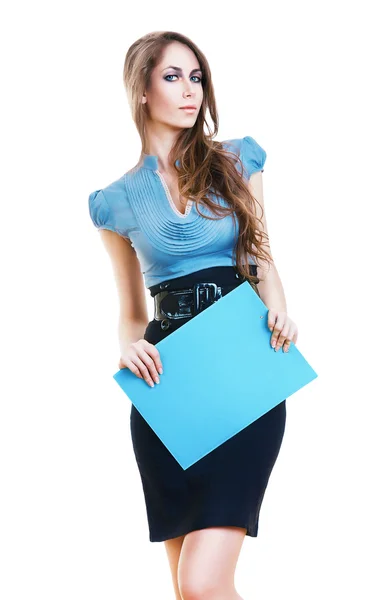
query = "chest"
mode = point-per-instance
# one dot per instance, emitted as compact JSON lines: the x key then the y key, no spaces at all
{"x":159,"y":228}
{"x":179,"y":204}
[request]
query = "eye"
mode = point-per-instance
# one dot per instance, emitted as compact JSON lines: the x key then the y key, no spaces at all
{"x":173,"y":75}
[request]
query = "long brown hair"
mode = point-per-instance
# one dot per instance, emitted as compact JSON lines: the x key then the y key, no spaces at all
{"x":205,"y":166}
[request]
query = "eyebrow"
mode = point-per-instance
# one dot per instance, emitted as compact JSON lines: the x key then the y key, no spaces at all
{"x":180,"y":70}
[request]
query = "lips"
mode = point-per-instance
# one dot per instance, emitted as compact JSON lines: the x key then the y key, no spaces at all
{"x":191,"y":107}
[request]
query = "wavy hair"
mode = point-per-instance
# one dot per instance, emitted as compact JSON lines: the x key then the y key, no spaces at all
{"x":205,"y":166}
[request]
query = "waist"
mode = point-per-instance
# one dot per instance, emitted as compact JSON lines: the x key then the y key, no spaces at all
{"x":184,"y":297}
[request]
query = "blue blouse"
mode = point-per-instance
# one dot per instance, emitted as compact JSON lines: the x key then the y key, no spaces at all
{"x":138,"y":206}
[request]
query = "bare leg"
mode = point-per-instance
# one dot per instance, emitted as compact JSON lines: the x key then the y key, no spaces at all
{"x":207,"y":563}
{"x":173,"y":550}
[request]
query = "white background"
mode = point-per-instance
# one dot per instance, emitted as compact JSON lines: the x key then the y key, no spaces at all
{"x":298,"y":77}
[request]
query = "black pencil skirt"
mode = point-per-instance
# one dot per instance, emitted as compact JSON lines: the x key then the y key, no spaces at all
{"x":224,"y":488}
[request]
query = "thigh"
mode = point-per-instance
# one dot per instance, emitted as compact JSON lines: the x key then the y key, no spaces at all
{"x":208,"y":559}
{"x":173,"y":550}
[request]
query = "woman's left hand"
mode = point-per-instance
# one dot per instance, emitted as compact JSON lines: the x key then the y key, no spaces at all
{"x":284,"y":330}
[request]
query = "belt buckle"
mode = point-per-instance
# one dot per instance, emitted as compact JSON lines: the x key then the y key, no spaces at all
{"x":198,"y":306}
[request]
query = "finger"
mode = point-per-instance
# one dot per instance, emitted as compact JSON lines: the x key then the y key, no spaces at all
{"x":154,"y":353}
{"x":128,"y":364}
{"x":289,"y":339}
{"x":149,"y":362}
{"x":272,"y":316}
{"x":282,"y":337}
{"x":278,"y":328}
{"x":144,"y":370}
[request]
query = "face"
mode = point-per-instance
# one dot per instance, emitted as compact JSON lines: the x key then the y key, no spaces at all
{"x":175,"y":82}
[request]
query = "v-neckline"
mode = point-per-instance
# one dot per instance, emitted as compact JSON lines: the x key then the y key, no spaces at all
{"x":150,"y":162}
{"x":170,"y":199}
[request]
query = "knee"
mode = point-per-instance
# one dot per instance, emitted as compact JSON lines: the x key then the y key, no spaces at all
{"x":198,"y":589}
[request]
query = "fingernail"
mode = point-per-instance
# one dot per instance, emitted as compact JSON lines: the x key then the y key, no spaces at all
{"x":160,"y":371}
{"x":274,"y":343}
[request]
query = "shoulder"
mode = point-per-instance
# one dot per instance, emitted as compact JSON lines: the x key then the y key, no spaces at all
{"x":251,"y":154}
{"x":104,"y":204}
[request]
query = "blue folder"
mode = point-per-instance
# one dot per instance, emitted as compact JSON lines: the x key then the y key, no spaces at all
{"x":220,"y":374}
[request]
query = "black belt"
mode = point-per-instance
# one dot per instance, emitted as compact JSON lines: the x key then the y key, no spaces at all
{"x":188,"y":302}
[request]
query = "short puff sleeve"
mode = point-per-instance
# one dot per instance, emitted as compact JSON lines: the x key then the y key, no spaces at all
{"x":253,"y":156}
{"x":99,"y":210}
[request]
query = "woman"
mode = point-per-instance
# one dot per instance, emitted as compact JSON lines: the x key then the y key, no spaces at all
{"x":190,"y":211}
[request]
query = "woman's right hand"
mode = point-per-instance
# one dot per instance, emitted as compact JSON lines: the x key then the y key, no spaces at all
{"x":143,"y":359}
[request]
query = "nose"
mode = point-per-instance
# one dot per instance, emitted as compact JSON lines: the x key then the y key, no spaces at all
{"x":188,"y":88}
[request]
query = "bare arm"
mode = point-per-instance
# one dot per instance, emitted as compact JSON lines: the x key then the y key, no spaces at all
{"x":270,"y":286}
{"x":133,"y":314}
{"x":137,"y":354}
